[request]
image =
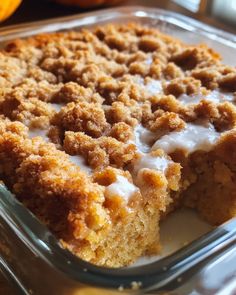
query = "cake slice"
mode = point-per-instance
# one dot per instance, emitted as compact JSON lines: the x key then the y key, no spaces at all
{"x":102,"y":217}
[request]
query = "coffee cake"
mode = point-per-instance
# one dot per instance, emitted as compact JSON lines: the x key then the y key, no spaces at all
{"x":106,"y":131}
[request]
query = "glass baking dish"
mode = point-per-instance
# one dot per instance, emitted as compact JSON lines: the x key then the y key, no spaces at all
{"x":33,"y":259}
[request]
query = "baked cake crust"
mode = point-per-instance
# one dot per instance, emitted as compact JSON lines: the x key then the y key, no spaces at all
{"x":112,"y":128}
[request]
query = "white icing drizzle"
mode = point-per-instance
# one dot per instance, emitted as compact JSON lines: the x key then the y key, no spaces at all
{"x":143,"y":138}
{"x":219,"y":96}
{"x":190,"y":99}
{"x":57,"y":106}
{"x":192,"y":138}
{"x":147,"y":161}
{"x":138,"y":80}
{"x":149,"y":60}
{"x":122,"y":188}
{"x":79,"y":161}
{"x":36,"y":132}
{"x":153,"y":87}
{"x":215,"y":96}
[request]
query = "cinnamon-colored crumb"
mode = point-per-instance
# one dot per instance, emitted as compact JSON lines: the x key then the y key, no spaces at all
{"x":99,"y":152}
{"x":83,"y":116}
{"x":180,"y":86}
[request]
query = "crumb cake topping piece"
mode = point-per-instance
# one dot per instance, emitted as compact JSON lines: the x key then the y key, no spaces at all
{"x":91,"y":125}
{"x":192,"y":138}
{"x":100,"y":152}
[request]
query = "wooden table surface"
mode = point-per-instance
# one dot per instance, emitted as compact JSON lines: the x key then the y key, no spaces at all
{"x":33,"y":10}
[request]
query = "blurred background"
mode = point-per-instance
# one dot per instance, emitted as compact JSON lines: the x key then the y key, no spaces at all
{"x":219,"y":13}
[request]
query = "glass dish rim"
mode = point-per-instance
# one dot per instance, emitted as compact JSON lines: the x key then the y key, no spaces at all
{"x":48,"y":25}
{"x":38,"y":236}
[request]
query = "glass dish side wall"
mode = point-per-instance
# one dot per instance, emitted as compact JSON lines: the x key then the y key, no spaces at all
{"x":30,"y":252}
{"x":38,"y":265}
